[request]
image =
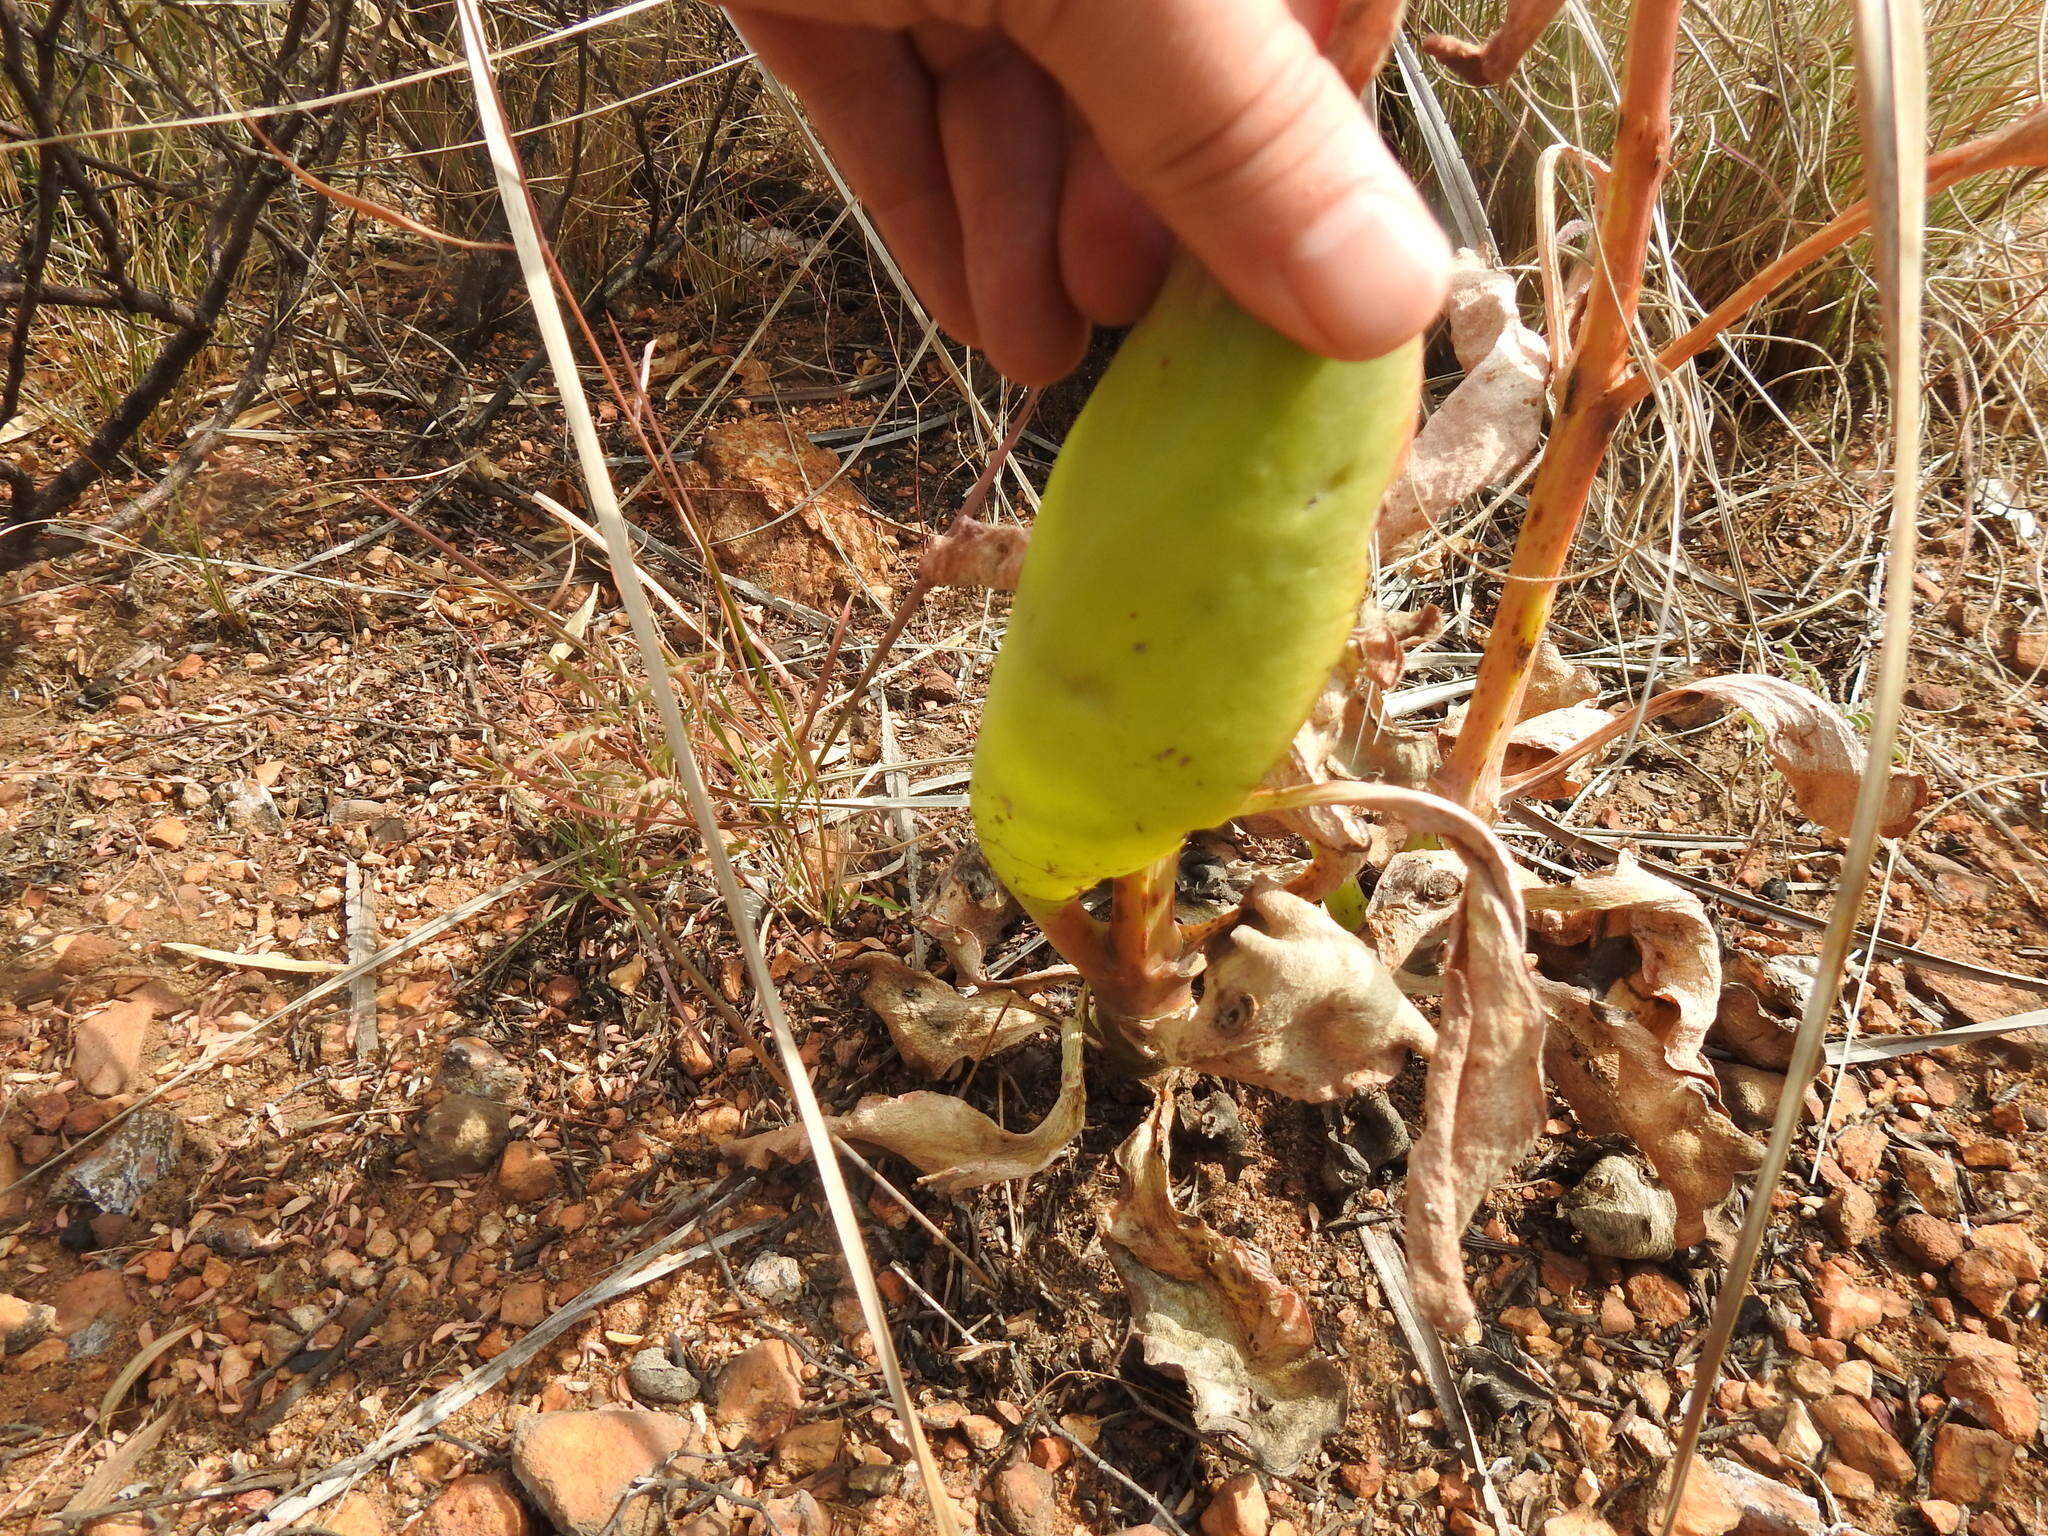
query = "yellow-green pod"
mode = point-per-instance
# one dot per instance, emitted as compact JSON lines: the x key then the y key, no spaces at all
{"x":1197,"y":563}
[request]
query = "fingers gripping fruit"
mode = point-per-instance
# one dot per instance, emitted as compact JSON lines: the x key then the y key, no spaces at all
{"x":1196,"y":565}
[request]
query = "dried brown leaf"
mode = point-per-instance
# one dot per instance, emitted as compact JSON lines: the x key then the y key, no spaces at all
{"x":954,"y":1145}
{"x":1293,"y":1002}
{"x":1484,"y":1099}
{"x":1489,"y":426}
{"x":1539,"y":740}
{"x":976,"y":554}
{"x":1413,"y":904}
{"x":970,"y":911}
{"x":1676,"y":978}
{"x":1625,"y":1053}
{"x":934,"y":1027}
{"x":1809,"y":742}
{"x":1210,"y":1310}
{"x":1555,"y":682}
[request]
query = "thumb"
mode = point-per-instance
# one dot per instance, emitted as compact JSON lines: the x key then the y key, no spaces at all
{"x":1224,"y":117}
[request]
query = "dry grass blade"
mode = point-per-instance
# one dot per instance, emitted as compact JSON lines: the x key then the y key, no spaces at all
{"x":611,"y":521}
{"x":1424,"y":1343}
{"x":1892,"y":98}
{"x":1890,"y":1047}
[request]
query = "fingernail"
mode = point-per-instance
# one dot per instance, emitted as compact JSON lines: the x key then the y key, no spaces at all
{"x":1370,"y":272}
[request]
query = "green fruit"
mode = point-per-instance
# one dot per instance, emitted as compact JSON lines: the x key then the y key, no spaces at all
{"x":1198,"y":561}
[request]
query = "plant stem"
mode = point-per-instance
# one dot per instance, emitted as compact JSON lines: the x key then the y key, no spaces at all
{"x":1587,"y":413}
{"x":1133,"y":963}
{"x":1145,"y":945}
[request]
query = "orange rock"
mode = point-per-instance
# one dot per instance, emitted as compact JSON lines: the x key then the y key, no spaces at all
{"x":1238,"y":1508}
{"x":168,"y":832}
{"x":480,"y":1504}
{"x":1861,"y":1441}
{"x":1970,"y":1465}
{"x":107,"y":1046}
{"x":577,"y":1465}
{"x":759,"y":1392}
{"x":526,"y":1173}
{"x":1985,"y":1377}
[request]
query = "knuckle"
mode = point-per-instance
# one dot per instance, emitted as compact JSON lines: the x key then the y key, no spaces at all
{"x":1260,"y":138}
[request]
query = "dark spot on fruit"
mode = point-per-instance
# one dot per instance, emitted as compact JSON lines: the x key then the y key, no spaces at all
{"x":1140,"y":646}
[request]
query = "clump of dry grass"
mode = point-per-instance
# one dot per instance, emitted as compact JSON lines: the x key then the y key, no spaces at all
{"x":1765,"y":151}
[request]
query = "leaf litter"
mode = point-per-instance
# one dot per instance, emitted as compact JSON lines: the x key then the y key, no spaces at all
{"x":1209,"y":1309}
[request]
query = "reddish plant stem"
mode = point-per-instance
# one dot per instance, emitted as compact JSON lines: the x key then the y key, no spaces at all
{"x":1587,"y":413}
{"x":1361,"y":36}
{"x":1145,"y":945}
{"x":1492,"y":62}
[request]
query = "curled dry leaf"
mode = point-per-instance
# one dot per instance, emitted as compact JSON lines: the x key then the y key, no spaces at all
{"x":1210,"y":1310}
{"x":954,"y":1145}
{"x":1489,"y":426}
{"x":1621,"y":1213}
{"x":976,"y":554}
{"x":1643,"y":985}
{"x":1539,"y":740}
{"x":1556,"y":682}
{"x":969,"y":913}
{"x":1413,"y":904}
{"x":1673,"y":965}
{"x":1484,"y":1099}
{"x":936,"y":1028}
{"x":1294,"y":1003}
{"x":1809,"y":742}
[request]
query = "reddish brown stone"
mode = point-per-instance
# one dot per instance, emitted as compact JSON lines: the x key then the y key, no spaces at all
{"x":1861,"y":1441}
{"x":1970,"y":1465}
{"x":1929,"y":1241}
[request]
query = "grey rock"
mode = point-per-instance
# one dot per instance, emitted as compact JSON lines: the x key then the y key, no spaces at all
{"x":1620,"y":1213}
{"x":774,"y":1277}
{"x":475,"y":1066}
{"x":655,"y":1378}
{"x":136,"y":1154}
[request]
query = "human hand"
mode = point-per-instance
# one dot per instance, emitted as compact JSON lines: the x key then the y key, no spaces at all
{"x":1031,"y":163}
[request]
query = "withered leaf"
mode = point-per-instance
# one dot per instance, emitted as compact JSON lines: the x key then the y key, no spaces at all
{"x":1613,"y":1073}
{"x":976,"y":554}
{"x":1489,"y":426}
{"x":1294,"y":1003}
{"x":935,"y":1028}
{"x":1809,"y":742}
{"x":1676,"y":980}
{"x":1541,"y":738}
{"x":969,"y":912}
{"x":1483,"y":1102}
{"x":1210,"y":1310}
{"x":954,"y":1145}
{"x":1627,"y":1056}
